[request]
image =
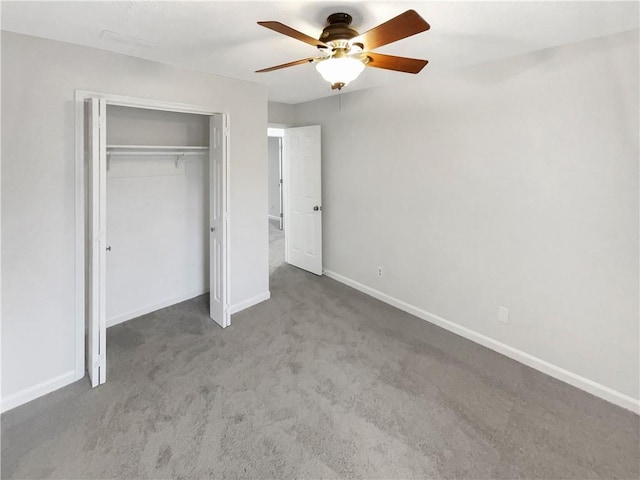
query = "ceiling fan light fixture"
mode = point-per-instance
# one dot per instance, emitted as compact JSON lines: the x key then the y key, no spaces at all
{"x":340,"y":71}
{"x":343,"y":55}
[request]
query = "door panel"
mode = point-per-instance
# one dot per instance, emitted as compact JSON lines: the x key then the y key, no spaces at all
{"x":96,"y":158}
{"x":303,"y":198}
{"x":218,"y":268}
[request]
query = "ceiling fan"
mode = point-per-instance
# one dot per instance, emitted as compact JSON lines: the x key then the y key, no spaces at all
{"x":344,"y":52}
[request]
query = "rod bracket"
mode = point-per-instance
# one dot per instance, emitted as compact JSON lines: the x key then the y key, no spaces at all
{"x":178,"y":158}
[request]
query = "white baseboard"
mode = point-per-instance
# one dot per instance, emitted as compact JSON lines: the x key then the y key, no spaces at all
{"x":250,"y":302}
{"x":31,"y":393}
{"x":157,"y":306}
{"x":543,"y":366}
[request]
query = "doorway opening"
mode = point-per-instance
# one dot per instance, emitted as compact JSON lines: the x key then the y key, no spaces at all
{"x":276,"y":199}
{"x":157,"y":210}
{"x":295,"y":198}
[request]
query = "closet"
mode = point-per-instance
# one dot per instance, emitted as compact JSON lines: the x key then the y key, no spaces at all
{"x":156,"y":212}
{"x":157,"y":215}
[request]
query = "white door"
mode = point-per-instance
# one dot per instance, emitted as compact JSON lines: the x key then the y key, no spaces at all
{"x":303,"y":198}
{"x":218,"y":218}
{"x":96,"y":157}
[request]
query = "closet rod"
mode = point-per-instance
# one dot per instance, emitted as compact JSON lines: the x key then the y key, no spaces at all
{"x":156,"y":149}
{"x":155,"y":152}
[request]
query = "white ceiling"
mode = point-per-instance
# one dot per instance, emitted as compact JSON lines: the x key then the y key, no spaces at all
{"x":223,"y":38}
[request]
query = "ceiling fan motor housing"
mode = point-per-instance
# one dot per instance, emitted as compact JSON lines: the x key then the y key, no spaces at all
{"x":338,"y":32}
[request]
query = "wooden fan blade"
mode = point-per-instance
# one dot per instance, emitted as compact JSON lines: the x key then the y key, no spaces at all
{"x":404,"y":25}
{"x":285,"y":65}
{"x":290,"y":32}
{"x":399,"y":64}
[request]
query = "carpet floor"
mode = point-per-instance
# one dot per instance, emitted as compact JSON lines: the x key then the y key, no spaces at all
{"x":321,"y":381}
{"x":276,"y":246}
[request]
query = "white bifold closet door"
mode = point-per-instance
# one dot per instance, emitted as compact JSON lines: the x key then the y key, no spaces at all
{"x":96,"y":142}
{"x":218,"y":268}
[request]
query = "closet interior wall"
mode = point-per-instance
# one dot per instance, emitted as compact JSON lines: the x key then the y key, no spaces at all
{"x":157,"y":211}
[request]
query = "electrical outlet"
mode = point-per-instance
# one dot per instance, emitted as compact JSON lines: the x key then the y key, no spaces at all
{"x":503,"y":314}
{"x":379,"y":271}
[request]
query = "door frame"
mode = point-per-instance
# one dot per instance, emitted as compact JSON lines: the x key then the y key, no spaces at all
{"x":279,"y":133}
{"x":80,"y":203}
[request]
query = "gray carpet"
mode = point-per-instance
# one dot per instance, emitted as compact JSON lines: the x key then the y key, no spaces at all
{"x":319,"y":381}
{"x":276,"y":246}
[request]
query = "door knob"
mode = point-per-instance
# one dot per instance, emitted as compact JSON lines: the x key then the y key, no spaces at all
{"x":316,"y":208}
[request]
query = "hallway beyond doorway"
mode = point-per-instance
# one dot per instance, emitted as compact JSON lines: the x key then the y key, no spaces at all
{"x":276,"y":246}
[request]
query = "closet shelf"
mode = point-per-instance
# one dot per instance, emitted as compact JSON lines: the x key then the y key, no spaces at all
{"x":169,"y":150}
{"x":155,"y":150}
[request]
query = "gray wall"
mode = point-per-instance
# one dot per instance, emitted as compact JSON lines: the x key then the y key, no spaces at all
{"x":38,"y":192}
{"x":281,"y":113}
{"x":137,"y":126}
{"x":514,"y":183}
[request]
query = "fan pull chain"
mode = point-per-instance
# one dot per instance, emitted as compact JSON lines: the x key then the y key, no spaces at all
{"x":339,"y":101}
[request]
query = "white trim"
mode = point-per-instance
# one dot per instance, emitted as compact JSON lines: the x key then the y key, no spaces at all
{"x":275,"y":132}
{"x":149,"y":103}
{"x":249,"y":302}
{"x":274,"y":217}
{"x":594,"y":388}
{"x":226,"y":122}
{"x":31,"y":393}
{"x":281,"y":126}
{"x":79,"y":277}
{"x":152,"y":308}
{"x":284,"y":186}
